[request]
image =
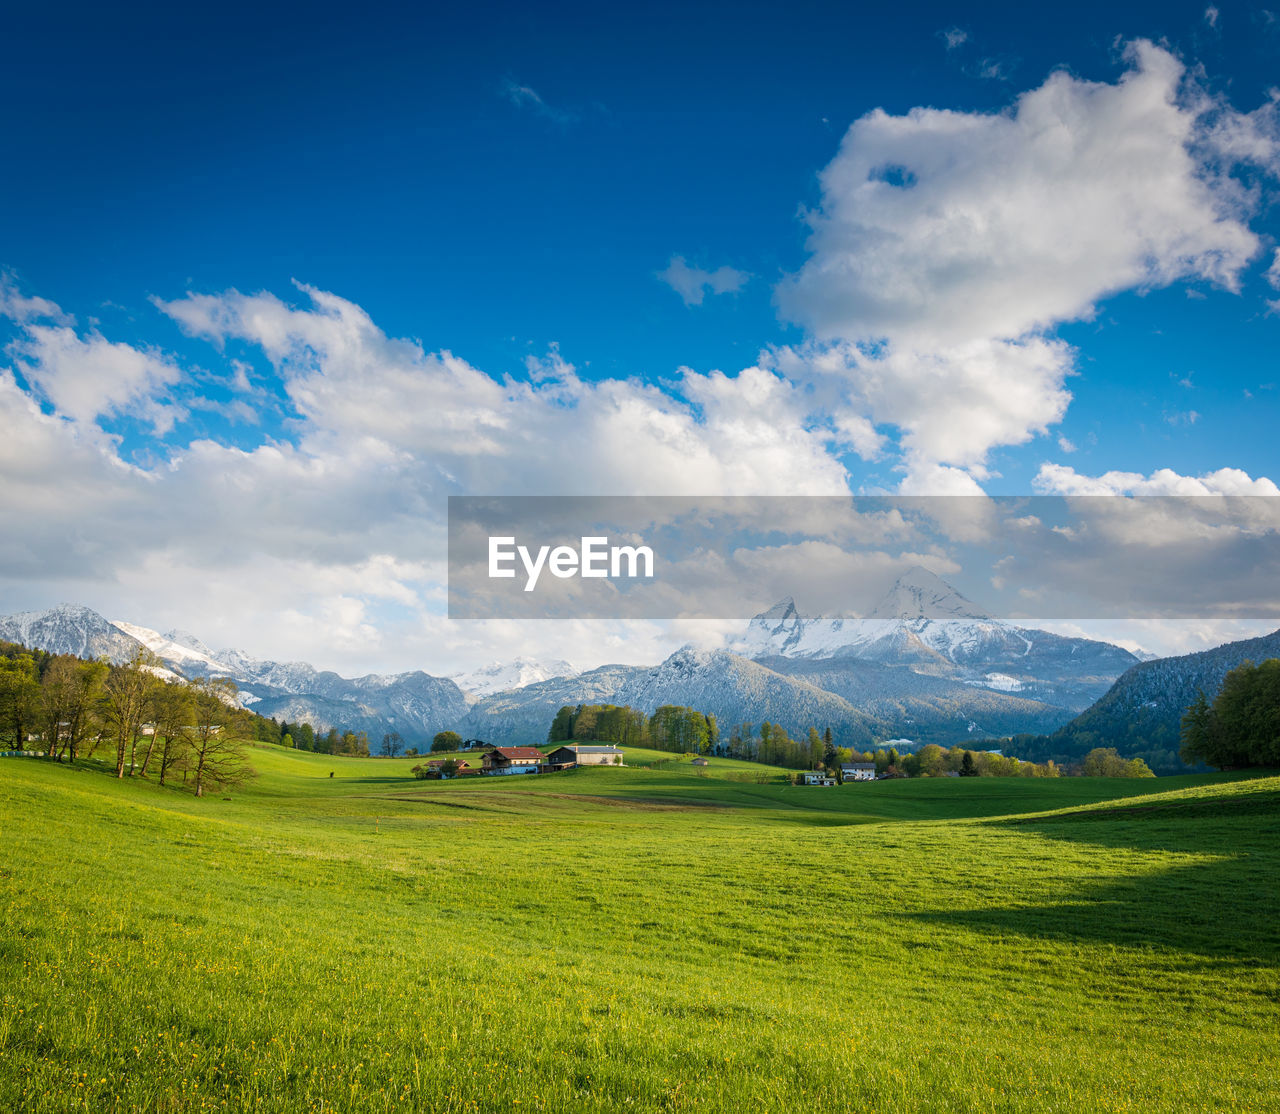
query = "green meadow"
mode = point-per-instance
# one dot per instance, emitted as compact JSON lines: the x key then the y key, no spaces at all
{"x":648,"y":938}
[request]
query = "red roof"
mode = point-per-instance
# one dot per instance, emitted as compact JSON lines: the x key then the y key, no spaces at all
{"x":518,"y":752}
{"x":442,"y":761}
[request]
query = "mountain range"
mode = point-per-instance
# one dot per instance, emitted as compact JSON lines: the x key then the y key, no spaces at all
{"x":926,"y":665}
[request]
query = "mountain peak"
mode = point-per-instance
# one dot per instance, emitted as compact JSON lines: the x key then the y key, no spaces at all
{"x":919,"y":593}
{"x":189,"y":640}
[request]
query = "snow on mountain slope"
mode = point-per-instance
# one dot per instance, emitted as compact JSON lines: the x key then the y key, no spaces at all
{"x":926,"y":626}
{"x":68,"y":629}
{"x":175,"y":653}
{"x":507,"y":676}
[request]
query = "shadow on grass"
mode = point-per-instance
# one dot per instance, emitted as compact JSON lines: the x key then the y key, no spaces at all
{"x":1225,"y":910}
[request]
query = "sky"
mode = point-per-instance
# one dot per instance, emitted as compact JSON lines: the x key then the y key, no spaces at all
{"x":276,"y":280}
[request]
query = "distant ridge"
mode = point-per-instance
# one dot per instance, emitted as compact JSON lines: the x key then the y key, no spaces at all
{"x":1141,"y":714}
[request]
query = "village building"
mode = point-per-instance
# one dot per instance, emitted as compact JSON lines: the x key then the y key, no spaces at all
{"x":572,"y":754}
{"x":858,"y":771}
{"x":814,"y":777}
{"x":437,"y":767}
{"x":512,"y":760}
{"x":700,"y":761}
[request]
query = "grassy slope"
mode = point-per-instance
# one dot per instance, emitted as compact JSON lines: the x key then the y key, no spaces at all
{"x":640,"y":938}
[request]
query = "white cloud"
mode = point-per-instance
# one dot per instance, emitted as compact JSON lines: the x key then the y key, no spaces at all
{"x":949,"y":244}
{"x":954,"y":37}
{"x":951,"y":404}
{"x":938,"y":479}
{"x":943,"y":226}
{"x":693,"y":283}
{"x":1067,"y":445}
{"x":20,"y":308}
{"x":89,"y":377}
{"x":743,"y":434}
{"x":1061,"y":479}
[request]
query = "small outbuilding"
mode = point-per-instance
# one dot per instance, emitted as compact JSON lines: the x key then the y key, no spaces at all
{"x":700,"y":761}
{"x":814,"y":777}
{"x":573,"y":754}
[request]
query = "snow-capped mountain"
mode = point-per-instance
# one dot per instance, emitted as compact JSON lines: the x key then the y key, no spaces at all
{"x":500,"y":676}
{"x":921,"y":618}
{"x":68,"y":629}
{"x":925,"y":626}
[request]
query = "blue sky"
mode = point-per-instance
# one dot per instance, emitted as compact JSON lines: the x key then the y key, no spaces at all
{"x":507,"y":183}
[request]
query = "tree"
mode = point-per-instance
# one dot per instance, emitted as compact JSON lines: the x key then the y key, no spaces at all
{"x":446,"y":740}
{"x":561,"y":730}
{"x":1200,"y":732}
{"x":1106,"y":762}
{"x":829,"y":755}
{"x":19,"y":697}
{"x":217,"y":755}
{"x":967,"y":766}
{"x":127,"y":692}
{"x":392,"y":744}
{"x":69,"y":692}
{"x":1242,"y":726}
{"x":931,"y":760}
{"x":172,"y":715}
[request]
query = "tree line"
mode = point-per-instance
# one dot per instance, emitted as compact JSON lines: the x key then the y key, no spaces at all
{"x":1240,"y":728}
{"x":144,"y":722}
{"x":684,"y":730}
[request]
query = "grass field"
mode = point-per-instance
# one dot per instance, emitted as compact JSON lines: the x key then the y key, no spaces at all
{"x":647,"y":938}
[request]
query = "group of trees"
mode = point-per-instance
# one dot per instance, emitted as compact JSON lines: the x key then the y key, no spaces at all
{"x":145,"y":722}
{"x":936,"y":761}
{"x":302,"y":736}
{"x":605,"y":723}
{"x":1241,"y":727}
{"x":672,"y":727}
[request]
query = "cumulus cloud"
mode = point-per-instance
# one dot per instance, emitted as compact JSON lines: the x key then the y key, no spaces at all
{"x":948,"y":245}
{"x":748,"y":433}
{"x":942,"y":226}
{"x":693,"y":283}
{"x":1061,"y":479}
{"x":85,"y":377}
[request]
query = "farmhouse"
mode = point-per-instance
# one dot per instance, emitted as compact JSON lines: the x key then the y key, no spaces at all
{"x":574,"y":755}
{"x":512,"y":760}
{"x":816,"y":778}
{"x":436,"y":766}
{"x":858,"y":771}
